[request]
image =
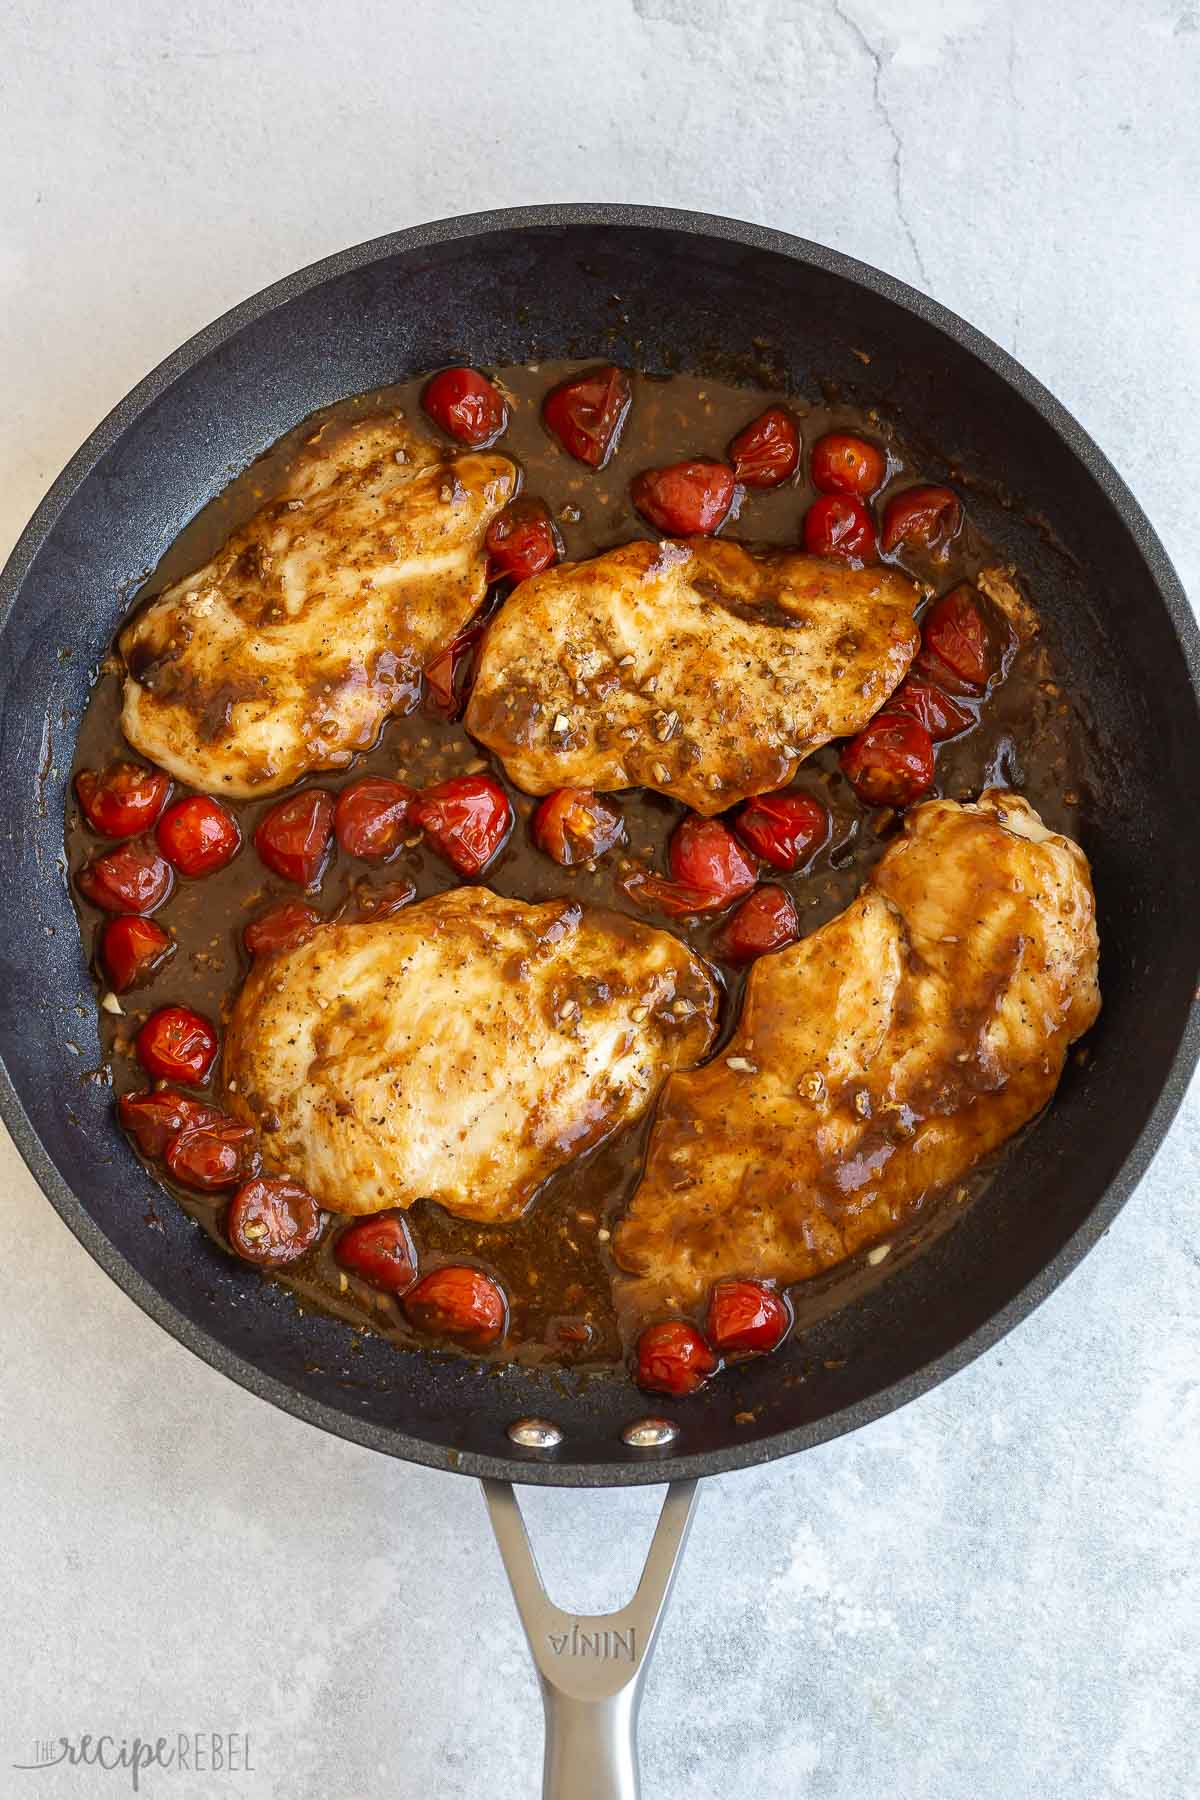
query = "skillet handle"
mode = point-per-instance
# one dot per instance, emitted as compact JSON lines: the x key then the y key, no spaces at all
{"x":591,"y":1667}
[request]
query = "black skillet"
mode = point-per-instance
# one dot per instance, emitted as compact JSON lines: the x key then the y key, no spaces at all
{"x":659,"y":290}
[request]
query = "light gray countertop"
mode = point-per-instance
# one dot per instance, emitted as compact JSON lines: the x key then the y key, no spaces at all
{"x":993,"y":1593}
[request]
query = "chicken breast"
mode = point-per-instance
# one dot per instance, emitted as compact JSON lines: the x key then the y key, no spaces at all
{"x":695,"y":668}
{"x":460,"y":1051}
{"x":876,"y":1061}
{"x":289,"y":650}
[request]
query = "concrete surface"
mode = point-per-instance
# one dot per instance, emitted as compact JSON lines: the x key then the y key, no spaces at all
{"x":993,"y":1594}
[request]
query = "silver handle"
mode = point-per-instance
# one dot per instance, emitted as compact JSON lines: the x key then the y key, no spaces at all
{"x":591,"y":1666}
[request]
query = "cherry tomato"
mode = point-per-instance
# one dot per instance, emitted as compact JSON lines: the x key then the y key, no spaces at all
{"x":154,"y":1116}
{"x":673,"y":1358}
{"x":924,"y":518}
{"x":466,"y":820}
{"x":446,"y":676}
{"x":177,"y":1044}
{"x":460,"y":1303}
{"x":293,"y":839}
{"x":891,"y":762}
{"x":198,"y":835}
{"x":466,"y":405}
{"x":705,"y":855}
{"x":941,"y":716}
{"x":783,"y":828}
{"x":131,"y":948}
{"x":123,"y":799}
{"x":767,"y":452}
{"x":213,"y":1153}
{"x":955,"y":632}
{"x":133,"y":878}
{"x":284,"y":926}
{"x":369,"y":901}
{"x":676,"y":899}
{"x":380,"y":1251}
{"x":573,"y":824}
{"x":766,"y":921}
{"x":746,"y":1317}
{"x":586,"y":413}
{"x":522,"y":540}
{"x":837,"y":525}
{"x":845,"y":464}
{"x":272,"y":1221}
{"x":688,"y":499}
{"x":369,"y":817}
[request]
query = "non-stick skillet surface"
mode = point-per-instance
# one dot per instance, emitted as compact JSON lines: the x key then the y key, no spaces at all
{"x":661,"y":291}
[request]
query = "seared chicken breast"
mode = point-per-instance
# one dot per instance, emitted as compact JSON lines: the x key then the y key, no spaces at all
{"x":875,"y":1061}
{"x":694,"y":668}
{"x":460,"y":1051}
{"x":289,"y":650}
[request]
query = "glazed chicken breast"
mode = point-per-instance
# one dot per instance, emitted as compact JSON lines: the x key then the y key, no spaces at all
{"x":876,"y":1061}
{"x":288,"y":651}
{"x":460,"y":1051}
{"x":694,"y":668}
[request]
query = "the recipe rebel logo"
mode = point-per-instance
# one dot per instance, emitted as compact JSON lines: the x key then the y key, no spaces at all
{"x":179,"y":1752}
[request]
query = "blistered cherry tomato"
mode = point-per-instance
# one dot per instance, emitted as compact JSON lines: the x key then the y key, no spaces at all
{"x":293,"y":839}
{"x":133,"y":878}
{"x":154,"y":1116}
{"x":466,"y":405}
{"x":123,"y":799}
{"x":688,"y":499}
{"x":131,"y":948}
{"x":177,"y":1044}
{"x":522,"y":540}
{"x":213,"y":1154}
{"x":573,"y":824}
{"x":925,"y":518}
{"x":784,"y":828}
{"x":767,"y":452}
{"x":272,"y":1221}
{"x":458,"y":1302}
{"x":673,"y":1358}
{"x":198,"y":836}
{"x":283,"y":926}
{"x":891,"y":762}
{"x":586,"y":413}
{"x":466,"y":820}
{"x":746,"y":1318}
{"x":845,"y":464}
{"x":955,"y":632}
{"x":941,"y":716}
{"x":838,"y":525}
{"x":705,"y":855}
{"x":446,"y":680}
{"x":766,"y":921}
{"x":380,"y":1251}
{"x":369,"y":817}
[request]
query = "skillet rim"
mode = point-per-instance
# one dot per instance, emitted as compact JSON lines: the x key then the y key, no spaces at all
{"x":635,"y":1470}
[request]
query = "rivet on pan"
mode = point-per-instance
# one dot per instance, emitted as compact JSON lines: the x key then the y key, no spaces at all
{"x":650,"y":1434}
{"x":535,"y":1434}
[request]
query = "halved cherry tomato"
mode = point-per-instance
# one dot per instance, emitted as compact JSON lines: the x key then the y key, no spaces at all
{"x":746,"y":1318}
{"x":704,"y":854}
{"x":924,"y":518}
{"x":380,"y":1251}
{"x":573,"y":825}
{"x":891,"y":762}
{"x":688,"y":499}
{"x":283,"y":926}
{"x":941,"y":716}
{"x":586,"y":413}
{"x":123,"y":799}
{"x":272,"y":1221}
{"x":369,"y":817}
{"x":466,"y":819}
{"x":767,"y":451}
{"x":131,"y":948}
{"x":766,"y":921}
{"x":177,"y":1044}
{"x":673,"y":1358}
{"x":838,"y":525}
{"x":153,"y":1116}
{"x":955,"y":632}
{"x":845,"y":464}
{"x":198,"y":835}
{"x":458,"y":1302}
{"x":466,"y":405}
{"x":371,"y":901}
{"x":522,"y":541}
{"x":133,"y":878}
{"x":213,"y":1154}
{"x":783,"y":828}
{"x":293,"y":839}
